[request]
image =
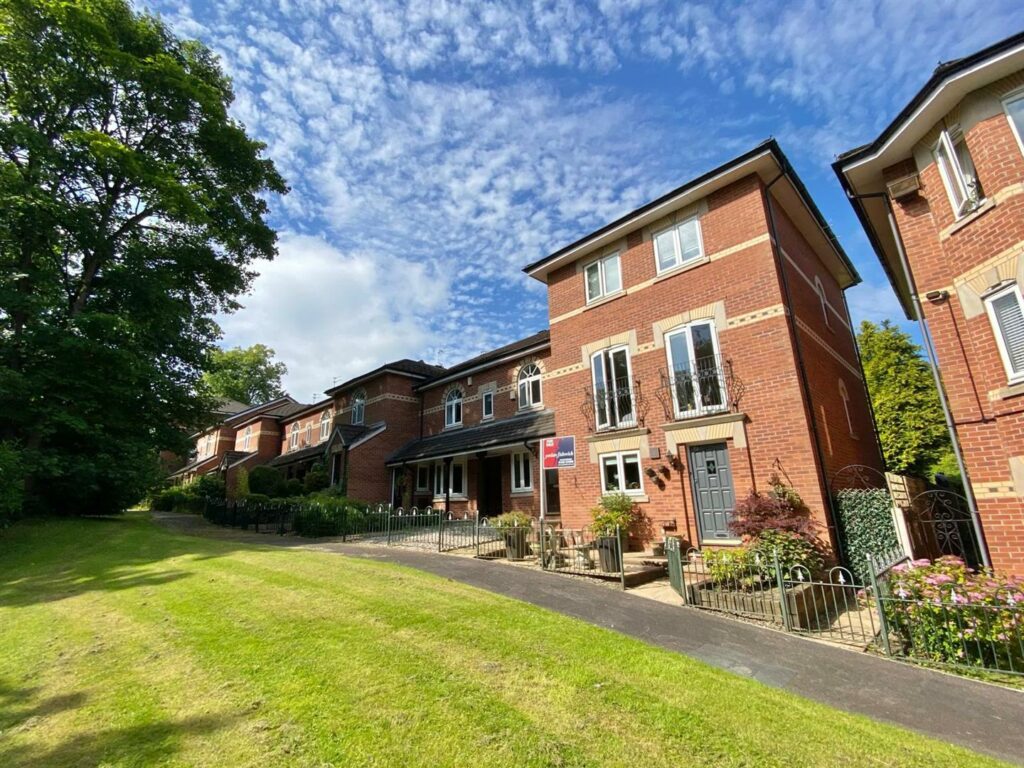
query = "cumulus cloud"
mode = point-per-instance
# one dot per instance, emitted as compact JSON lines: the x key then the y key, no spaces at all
{"x":434,"y":148}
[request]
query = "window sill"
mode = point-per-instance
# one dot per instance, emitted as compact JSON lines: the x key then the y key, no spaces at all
{"x":454,"y":497}
{"x":524,"y":492}
{"x":530,"y":408}
{"x":1012,"y":389}
{"x":984,"y":207}
{"x":721,"y":542}
{"x":449,"y":428}
{"x":604,"y":300}
{"x":680,"y":268}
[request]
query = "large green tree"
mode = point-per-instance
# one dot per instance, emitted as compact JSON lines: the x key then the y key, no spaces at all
{"x":132,"y":207}
{"x":908,"y":413}
{"x":246,"y":374}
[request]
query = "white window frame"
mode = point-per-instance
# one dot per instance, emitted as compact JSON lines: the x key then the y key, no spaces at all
{"x":525,"y":384}
{"x":293,"y":437}
{"x":678,"y":260}
{"x":358,"y":406}
{"x":953,"y":175}
{"x":523,"y":460}
{"x":309,"y":433}
{"x":699,"y":406}
{"x":487,"y":399}
{"x":426,"y":484}
{"x":325,"y":425}
{"x":453,"y":398}
{"x":439,"y":479}
{"x":1014,"y":288}
{"x":619,"y":458}
{"x":844,"y":395}
{"x":600,"y":265}
{"x":619,"y":423}
{"x":1017,"y":95}
{"x":246,"y":437}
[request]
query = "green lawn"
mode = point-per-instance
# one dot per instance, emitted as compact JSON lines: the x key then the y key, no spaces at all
{"x":124,"y":644}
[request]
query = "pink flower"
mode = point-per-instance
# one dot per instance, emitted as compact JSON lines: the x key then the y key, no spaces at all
{"x":921,"y":563}
{"x":939,"y":578}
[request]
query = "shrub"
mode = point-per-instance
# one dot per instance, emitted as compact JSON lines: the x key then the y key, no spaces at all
{"x":781,"y":509}
{"x":615,"y":512}
{"x":169,"y":499}
{"x":514,"y":519}
{"x":864,"y":518}
{"x":207,"y":487}
{"x":792,"y":550}
{"x":242,"y":483}
{"x":12,"y":483}
{"x":291,"y":487}
{"x":945,"y":612}
{"x":732,"y":567}
{"x":316,"y":479}
{"x":266,"y":481}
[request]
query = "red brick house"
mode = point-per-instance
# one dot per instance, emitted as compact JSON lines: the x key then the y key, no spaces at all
{"x":481,"y":423}
{"x":940,"y":193}
{"x":702,"y":343}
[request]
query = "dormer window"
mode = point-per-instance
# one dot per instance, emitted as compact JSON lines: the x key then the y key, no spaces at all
{"x":957,"y":170}
{"x":678,"y":245}
{"x":325,"y":425}
{"x":529,"y":386}
{"x":358,"y":406}
{"x":293,"y":438}
{"x":603,"y":277}
{"x":453,"y":408}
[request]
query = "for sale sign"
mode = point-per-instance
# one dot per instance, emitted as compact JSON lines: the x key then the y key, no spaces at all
{"x":559,"y":452}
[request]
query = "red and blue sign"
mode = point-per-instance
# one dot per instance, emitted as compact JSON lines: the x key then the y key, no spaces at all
{"x":559,"y":452}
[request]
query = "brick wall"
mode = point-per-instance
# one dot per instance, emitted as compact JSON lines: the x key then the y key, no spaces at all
{"x":944,"y":255}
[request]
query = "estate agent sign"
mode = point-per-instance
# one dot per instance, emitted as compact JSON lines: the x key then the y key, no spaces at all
{"x":559,"y":452}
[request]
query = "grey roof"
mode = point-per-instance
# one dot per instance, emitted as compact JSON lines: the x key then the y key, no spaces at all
{"x":192,"y":465}
{"x":229,"y":407}
{"x":303,"y":454}
{"x":348,"y":433}
{"x":495,"y":434}
{"x":537,"y":339}
{"x":417,"y":369}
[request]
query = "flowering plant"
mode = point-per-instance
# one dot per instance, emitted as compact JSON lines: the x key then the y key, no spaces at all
{"x":943,"y":611}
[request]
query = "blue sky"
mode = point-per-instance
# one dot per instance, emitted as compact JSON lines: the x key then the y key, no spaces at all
{"x":435,"y":148}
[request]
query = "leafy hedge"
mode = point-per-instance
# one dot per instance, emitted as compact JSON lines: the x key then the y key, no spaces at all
{"x":865,"y":525}
{"x":12,"y":483}
{"x":312,"y":516}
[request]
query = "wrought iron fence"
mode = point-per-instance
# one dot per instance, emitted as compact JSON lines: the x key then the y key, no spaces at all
{"x":705,"y":389}
{"x":621,"y":404}
{"x":582,"y":551}
{"x":971,"y":632}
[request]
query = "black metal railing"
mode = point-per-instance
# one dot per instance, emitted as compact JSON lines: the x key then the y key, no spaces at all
{"x":711,"y":386}
{"x":618,"y":405}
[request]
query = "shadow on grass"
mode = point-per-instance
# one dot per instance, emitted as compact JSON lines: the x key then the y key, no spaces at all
{"x":46,"y":560}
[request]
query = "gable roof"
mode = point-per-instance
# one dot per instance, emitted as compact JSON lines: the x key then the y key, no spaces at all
{"x":768,"y":161}
{"x":538,"y":341}
{"x":860,"y":170}
{"x":414,"y":369}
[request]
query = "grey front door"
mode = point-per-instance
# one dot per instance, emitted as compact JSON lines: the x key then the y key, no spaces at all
{"x":713,"y":493}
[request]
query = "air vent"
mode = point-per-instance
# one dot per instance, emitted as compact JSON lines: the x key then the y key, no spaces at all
{"x":904,"y":187}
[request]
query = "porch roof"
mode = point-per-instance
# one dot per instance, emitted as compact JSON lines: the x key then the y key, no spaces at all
{"x":346,"y":433}
{"x":496,"y":434}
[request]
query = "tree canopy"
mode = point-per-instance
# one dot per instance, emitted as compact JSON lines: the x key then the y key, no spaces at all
{"x":247,"y":374}
{"x":132,"y":208}
{"x":908,"y":413}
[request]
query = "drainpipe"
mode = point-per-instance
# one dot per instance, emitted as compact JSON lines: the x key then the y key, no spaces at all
{"x":934,"y":365}
{"x":801,"y":369}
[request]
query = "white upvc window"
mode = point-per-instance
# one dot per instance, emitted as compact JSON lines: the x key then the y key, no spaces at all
{"x":246,"y":438}
{"x":456,"y":479}
{"x":522,"y":472}
{"x":613,"y":394}
{"x":678,"y":245}
{"x":453,"y":408}
{"x":358,"y":406}
{"x":957,"y":169}
{"x":423,"y":477}
{"x":487,"y":405}
{"x":844,"y":395}
{"x":603,"y":277}
{"x":325,"y":425}
{"x":620,"y":473}
{"x":529,"y":386}
{"x":309,"y":433}
{"x":1014,"y":106}
{"x":695,"y":369}
{"x":293,"y":438}
{"x":1006,"y":312}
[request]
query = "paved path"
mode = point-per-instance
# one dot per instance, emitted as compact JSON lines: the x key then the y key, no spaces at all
{"x":977,"y":715}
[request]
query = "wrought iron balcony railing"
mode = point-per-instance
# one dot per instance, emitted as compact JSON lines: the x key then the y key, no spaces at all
{"x":618,"y":406}
{"x":708,"y":387}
